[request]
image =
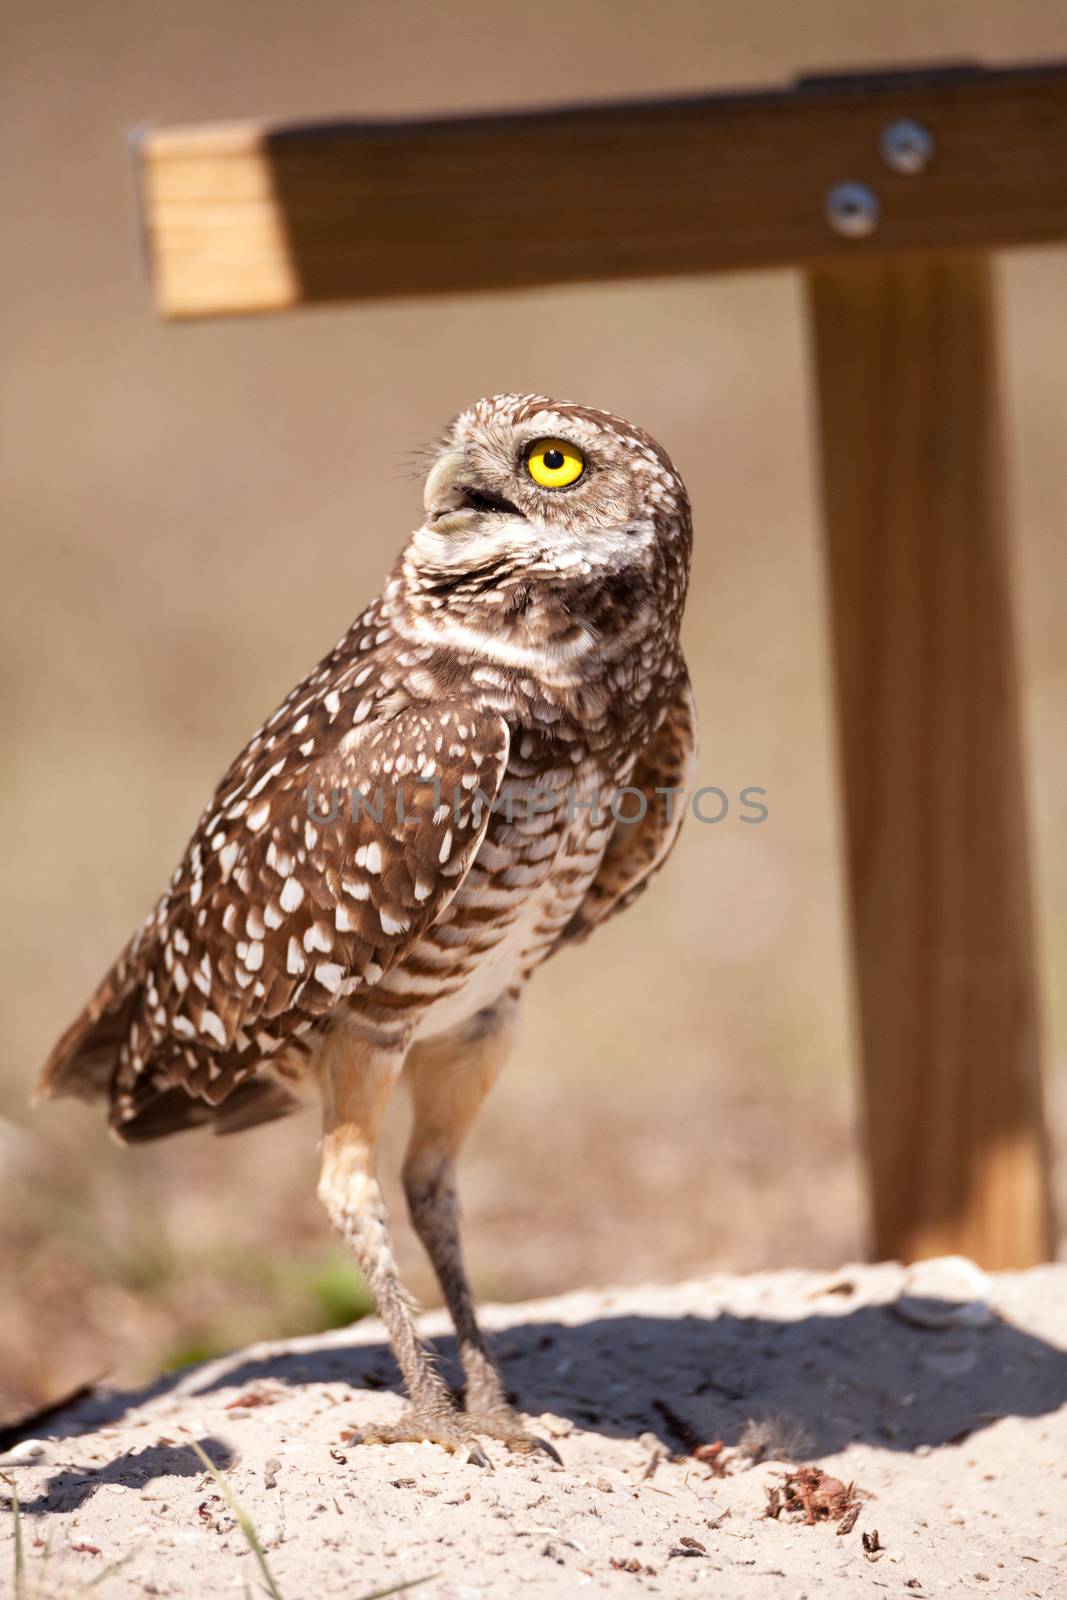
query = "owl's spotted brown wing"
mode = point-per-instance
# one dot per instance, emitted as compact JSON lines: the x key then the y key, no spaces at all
{"x":276,"y":915}
{"x":636,"y":850}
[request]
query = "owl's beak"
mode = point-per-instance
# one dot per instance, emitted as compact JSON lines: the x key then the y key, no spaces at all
{"x":451,"y":499}
{"x":446,"y":486}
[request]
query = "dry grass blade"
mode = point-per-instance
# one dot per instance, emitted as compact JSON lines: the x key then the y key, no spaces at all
{"x":397,"y":1588}
{"x":20,"y":1554}
{"x":244,"y":1520}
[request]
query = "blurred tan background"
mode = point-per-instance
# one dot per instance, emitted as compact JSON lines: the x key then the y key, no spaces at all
{"x":193,"y":514}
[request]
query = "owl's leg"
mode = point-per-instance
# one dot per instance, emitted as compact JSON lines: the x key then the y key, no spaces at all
{"x":449,"y":1078}
{"x":355,"y":1079}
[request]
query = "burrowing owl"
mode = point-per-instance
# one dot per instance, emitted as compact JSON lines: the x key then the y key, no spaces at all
{"x":492,"y":760}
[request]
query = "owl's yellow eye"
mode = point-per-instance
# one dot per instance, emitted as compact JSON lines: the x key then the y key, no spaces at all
{"x":553,"y":463}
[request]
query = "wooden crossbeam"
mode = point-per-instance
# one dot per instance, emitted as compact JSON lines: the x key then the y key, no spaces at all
{"x":261,"y":217}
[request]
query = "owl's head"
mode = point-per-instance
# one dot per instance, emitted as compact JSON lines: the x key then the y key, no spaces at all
{"x":546,"y":489}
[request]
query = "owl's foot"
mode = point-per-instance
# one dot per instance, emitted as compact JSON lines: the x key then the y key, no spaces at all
{"x":502,"y":1423}
{"x":453,"y":1432}
{"x":448,"y":1429}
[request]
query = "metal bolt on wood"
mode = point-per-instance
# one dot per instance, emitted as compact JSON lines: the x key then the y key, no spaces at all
{"x":852,"y":210}
{"x":906,"y":146}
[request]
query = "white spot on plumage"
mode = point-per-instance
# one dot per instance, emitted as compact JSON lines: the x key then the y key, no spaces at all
{"x":292,"y":895}
{"x":318,"y":937}
{"x":330,"y":975}
{"x":262,"y":782}
{"x":294,"y":958}
{"x":257,"y":818}
{"x":212,"y":1026}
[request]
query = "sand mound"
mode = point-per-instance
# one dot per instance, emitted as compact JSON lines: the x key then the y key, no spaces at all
{"x":683,"y":1416}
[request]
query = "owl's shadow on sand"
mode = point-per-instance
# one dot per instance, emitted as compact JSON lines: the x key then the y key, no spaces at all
{"x":821,"y":1382}
{"x":864,"y":1376}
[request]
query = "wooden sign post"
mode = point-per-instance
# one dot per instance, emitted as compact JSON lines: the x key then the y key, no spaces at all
{"x":891,"y":191}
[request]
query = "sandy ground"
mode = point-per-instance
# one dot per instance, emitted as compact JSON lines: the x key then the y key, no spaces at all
{"x":942,"y":1397}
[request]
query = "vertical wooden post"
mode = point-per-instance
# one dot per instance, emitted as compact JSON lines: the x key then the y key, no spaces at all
{"x":930,"y":742}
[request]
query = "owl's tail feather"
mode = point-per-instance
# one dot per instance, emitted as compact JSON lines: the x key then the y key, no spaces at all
{"x":166,"y":1111}
{"x":83,"y":1060}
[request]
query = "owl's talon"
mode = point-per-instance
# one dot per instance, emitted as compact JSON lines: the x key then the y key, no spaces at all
{"x":505,"y":1426}
{"x":477,"y":1456}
